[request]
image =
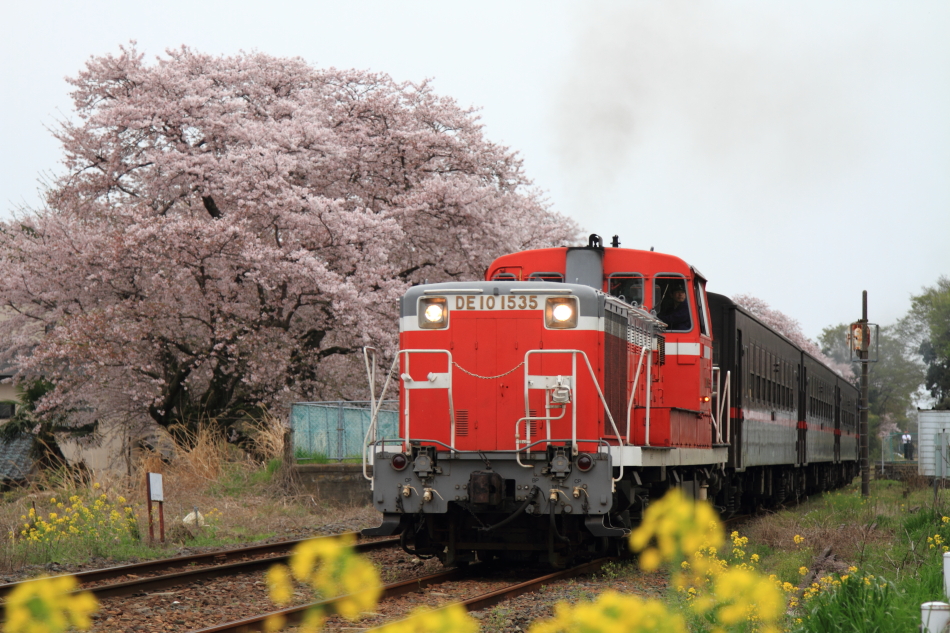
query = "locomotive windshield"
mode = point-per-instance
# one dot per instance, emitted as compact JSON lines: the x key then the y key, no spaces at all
{"x":627,"y":287}
{"x":671,"y":302}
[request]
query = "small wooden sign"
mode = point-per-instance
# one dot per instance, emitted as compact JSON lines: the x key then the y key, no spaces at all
{"x":155,"y":491}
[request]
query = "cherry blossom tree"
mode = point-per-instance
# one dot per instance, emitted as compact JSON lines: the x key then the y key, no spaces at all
{"x":229,"y":231}
{"x":792,"y":330}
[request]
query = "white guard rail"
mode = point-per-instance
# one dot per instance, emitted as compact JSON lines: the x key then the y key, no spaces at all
{"x":433,"y":381}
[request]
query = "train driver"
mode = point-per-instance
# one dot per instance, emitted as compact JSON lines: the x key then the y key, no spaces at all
{"x":676,"y":314}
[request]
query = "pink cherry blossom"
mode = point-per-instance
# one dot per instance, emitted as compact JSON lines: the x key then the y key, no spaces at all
{"x":792,"y":330}
{"x":229,"y":231}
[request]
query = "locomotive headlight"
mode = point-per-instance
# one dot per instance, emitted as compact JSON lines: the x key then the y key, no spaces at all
{"x":561,"y":313}
{"x":433,"y":313}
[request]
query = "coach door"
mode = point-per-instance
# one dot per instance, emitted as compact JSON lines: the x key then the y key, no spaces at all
{"x":802,"y":415}
{"x":837,"y":458}
{"x":739,"y":402}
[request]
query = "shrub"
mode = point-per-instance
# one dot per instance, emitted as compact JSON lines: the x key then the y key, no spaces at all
{"x":78,"y":528}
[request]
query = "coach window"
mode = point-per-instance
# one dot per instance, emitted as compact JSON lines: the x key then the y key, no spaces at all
{"x":671,"y":303}
{"x":627,"y":287}
{"x":550,"y":276}
{"x":755,"y":370}
{"x":504,"y":277}
{"x":760,"y":372}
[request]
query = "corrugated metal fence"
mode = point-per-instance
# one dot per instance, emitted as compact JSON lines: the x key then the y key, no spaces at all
{"x":335,"y":430}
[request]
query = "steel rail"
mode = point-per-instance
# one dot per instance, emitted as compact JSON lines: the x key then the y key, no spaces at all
{"x":507,"y":593}
{"x":294,"y":615}
{"x":191,"y":575}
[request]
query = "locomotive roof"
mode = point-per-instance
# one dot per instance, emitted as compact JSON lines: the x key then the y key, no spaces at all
{"x":616,"y":259}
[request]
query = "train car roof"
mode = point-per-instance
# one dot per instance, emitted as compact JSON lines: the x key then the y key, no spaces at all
{"x":752,"y":316}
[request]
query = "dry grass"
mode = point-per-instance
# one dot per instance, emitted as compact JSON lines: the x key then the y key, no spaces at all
{"x":847,"y":538}
{"x":859,"y":532}
{"x":241,"y":498}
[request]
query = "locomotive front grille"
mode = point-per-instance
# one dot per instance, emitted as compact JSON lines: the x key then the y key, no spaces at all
{"x":461,"y":422}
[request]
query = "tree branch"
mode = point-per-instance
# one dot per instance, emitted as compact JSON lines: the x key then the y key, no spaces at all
{"x":212,"y":208}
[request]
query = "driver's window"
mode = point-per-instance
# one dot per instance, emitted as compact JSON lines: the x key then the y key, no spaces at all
{"x":627,"y":287}
{"x":700,"y":295}
{"x":671,"y":303}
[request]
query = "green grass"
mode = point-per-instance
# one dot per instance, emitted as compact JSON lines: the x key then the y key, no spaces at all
{"x":304,"y":456}
{"x":885,"y":537}
{"x":266,"y":475}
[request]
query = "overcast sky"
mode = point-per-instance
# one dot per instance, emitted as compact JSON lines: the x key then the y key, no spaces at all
{"x":796,"y":151}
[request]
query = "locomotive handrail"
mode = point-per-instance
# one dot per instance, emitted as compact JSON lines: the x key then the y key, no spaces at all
{"x":371,"y":376}
{"x":714,"y":376}
{"x":728,"y":438}
{"x":633,"y":392}
{"x":432,"y":377}
{"x":374,"y":410}
{"x":590,"y":369}
{"x":646,"y":437}
{"x":374,"y":406}
{"x":461,"y":451}
{"x":527,"y":432}
{"x":723,"y":404}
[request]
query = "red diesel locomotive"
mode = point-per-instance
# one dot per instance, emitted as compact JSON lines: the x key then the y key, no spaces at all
{"x":542,"y":408}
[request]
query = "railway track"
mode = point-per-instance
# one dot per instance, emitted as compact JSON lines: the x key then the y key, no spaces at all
{"x":482,"y":601}
{"x":197,"y":567}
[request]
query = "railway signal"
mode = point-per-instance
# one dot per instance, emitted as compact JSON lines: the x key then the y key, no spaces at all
{"x":859,"y":341}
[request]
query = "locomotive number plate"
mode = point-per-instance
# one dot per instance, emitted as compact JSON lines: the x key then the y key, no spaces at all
{"x":500,"y":302}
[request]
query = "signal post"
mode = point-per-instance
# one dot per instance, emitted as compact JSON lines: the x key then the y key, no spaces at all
{"x":859,"y":338}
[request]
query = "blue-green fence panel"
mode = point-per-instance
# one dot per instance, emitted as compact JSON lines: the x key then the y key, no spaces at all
{"x":335,"y":430}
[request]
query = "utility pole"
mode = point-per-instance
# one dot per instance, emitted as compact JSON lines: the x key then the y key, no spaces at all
{"x":863,"y":355}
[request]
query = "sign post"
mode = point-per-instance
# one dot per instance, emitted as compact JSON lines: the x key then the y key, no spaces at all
{"x":155,"y":493}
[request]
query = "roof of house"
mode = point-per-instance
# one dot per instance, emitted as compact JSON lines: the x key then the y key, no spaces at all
{"x":15,"y":460}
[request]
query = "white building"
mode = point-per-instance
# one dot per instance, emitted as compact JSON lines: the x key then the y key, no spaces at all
{"x":7,"y":392}
{"x":933,"y":437}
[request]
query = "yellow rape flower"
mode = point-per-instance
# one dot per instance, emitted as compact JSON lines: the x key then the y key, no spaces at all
{"x":612,"y":611}
{"x":679,"y":526}
{"x":452,"y":619}
{"x":331,"y":568}
{"x":280,"y":585}
{"x":44,"y":606}
{"x":743,"y":594}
